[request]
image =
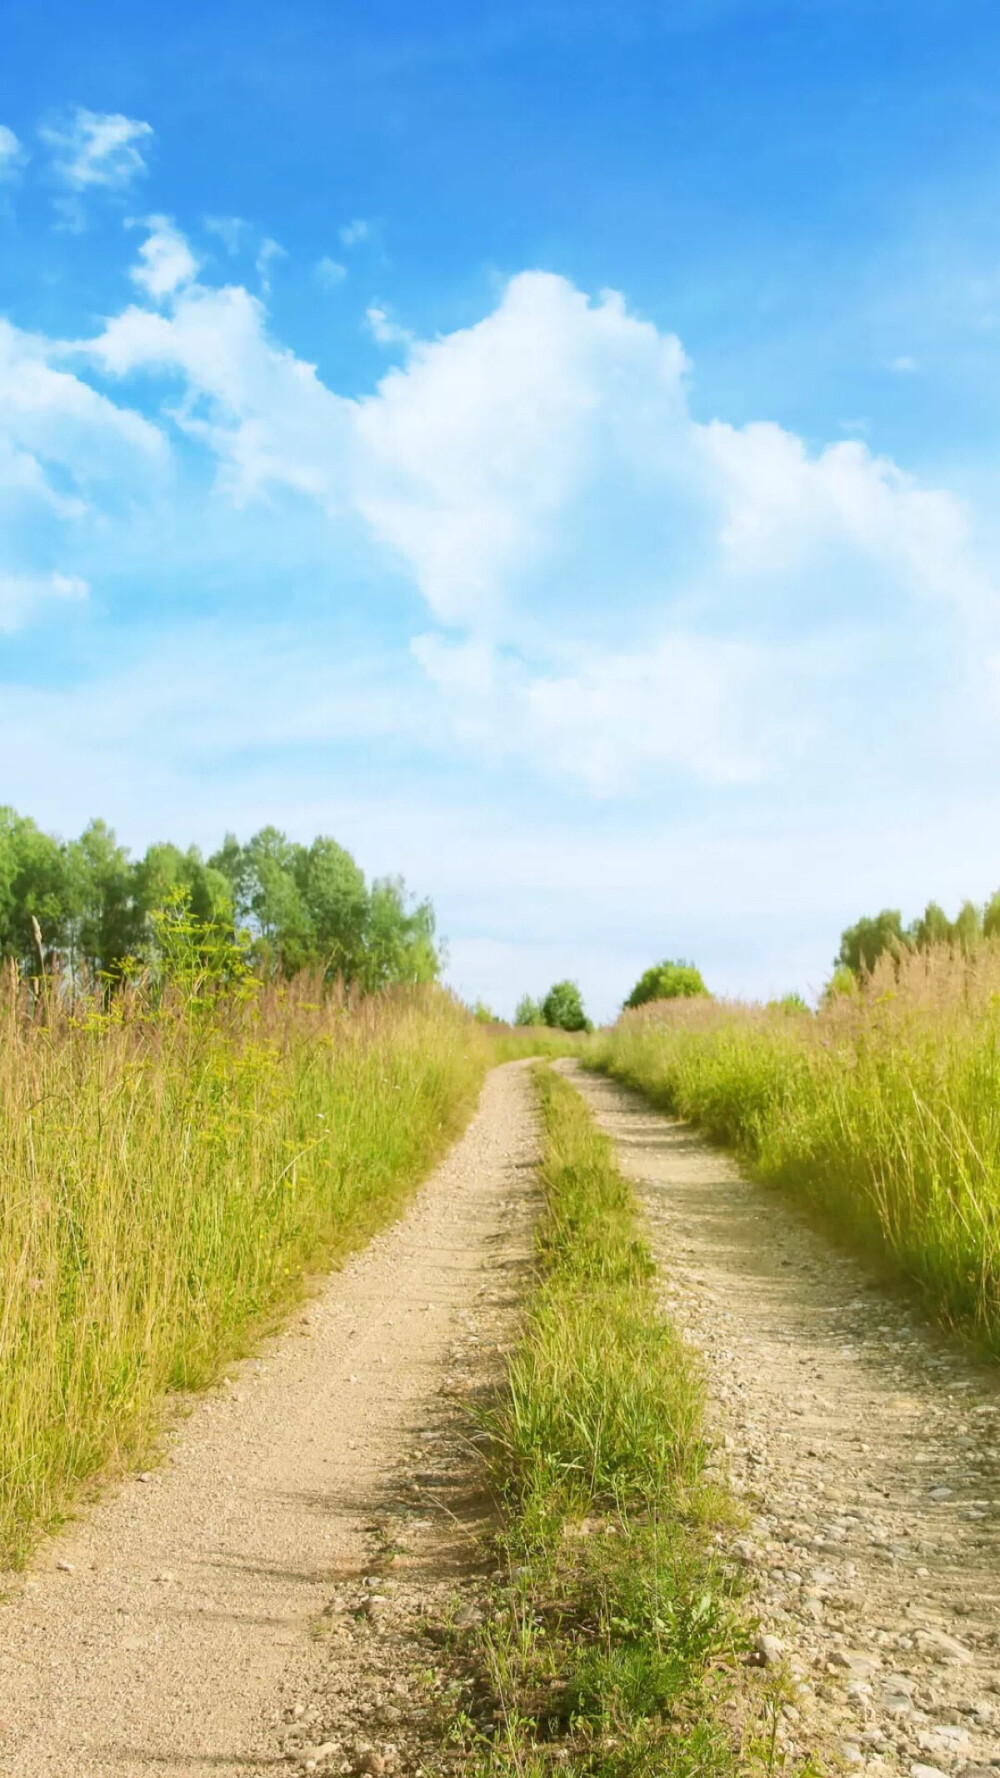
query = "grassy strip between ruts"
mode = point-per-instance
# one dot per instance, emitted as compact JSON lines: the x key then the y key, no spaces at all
{"x":616,"y":1642}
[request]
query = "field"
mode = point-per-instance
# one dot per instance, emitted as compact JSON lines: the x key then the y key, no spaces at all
{"x":881,"y":1112}
{"x":170,"y":1169}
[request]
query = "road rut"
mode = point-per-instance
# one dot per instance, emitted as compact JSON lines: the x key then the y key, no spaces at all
{"x":160,"y":1633}
{"x":867,"y":1449}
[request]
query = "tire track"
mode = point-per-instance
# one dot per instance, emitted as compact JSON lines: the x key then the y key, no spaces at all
{"x":867,"y":1450}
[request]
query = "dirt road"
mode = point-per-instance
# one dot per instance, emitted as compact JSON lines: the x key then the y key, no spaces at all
{"x":179,"y":1627}
{"x":867,"y":1450}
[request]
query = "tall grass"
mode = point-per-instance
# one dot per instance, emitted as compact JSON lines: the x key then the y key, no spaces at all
{"x":882,"y":1112}
{"x":609,"y":1646}
{"x":169,"y":1169}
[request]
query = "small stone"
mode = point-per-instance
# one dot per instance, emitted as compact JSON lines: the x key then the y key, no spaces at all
{"x":848,"y":1661}
{"x":64,"y":1566}
{"x":941,"y":1492}
{"x":372,"y":1764}
{"x":145,"y":1475}
{"x":943,"y":1647}
{"x":920,"y":1771}
{"x":770,"y":1650}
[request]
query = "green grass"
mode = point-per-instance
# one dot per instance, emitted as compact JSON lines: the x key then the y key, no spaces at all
{"x":614,"y":1642}
{"x":170,"y":1170}
{"x":881,"y":1114}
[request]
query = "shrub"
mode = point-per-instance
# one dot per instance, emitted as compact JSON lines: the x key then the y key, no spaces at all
{"x":667,"y":981}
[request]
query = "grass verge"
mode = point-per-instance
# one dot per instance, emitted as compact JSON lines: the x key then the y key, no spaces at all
{"x":881,"y":1113}
{"x":615,"y":1638}
{"x":169,"y":1172}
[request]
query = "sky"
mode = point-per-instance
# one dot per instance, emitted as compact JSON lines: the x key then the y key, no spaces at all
{"x":550,"y":447}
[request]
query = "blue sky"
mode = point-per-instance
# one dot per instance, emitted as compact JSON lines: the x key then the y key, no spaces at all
{"x":551,"y":447}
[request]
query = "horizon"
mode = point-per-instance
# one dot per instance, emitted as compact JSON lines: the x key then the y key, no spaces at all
{"x":551,"y":454}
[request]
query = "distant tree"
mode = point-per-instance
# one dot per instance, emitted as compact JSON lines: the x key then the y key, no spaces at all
{"x":932,"y":928}
{"x":34,"y":883}
{"x":667,"y":981}
{"x":400,"y":941}
{"x":335,"y":898}
{"x":991,"y":917}
{"x":562,"y":1008}
{"x":791,"y":1003}
{"x":484,"y":1015}
{"x":528,"y":1011}
{"x":862,"y":944}
{"x":968,"y":927}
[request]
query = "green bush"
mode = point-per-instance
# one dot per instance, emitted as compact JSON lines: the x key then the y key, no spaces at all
{"x":667,"y":981}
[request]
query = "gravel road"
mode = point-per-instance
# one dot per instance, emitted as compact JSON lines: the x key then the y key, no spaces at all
{"x":175,"y":1626}
{"x":866,"y":1447}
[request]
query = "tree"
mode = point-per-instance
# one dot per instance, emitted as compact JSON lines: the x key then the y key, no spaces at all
{"x":562,"y":1008}
{"x":667,"y":981}
{"x":862,"y":944}
{"x":34,"y":883}
{"x":399,"y":940}
{"x":528,"y":1011}
{"x":991,"y":917}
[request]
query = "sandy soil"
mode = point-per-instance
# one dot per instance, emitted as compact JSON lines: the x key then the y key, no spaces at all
{"x":216,"y":1614}
{"x":867,"y":1449}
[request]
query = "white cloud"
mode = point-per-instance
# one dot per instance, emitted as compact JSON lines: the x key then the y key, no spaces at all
{"x":384,"y":330}
{"x":603,"y":719}
{"x":904,"y":365}
{"x":353,"y":233}
{"x":11,"y":153}
{"x":166,"y":260}
{"x":268,"y":253}
{"x":54,"y":429}
{"x":330,"y":273}
{"x":22,"y":595}
{"x":94,"y":148}
{"x":616,"y":581}
{"x":264,"y":413}
{"x":231,"y":230}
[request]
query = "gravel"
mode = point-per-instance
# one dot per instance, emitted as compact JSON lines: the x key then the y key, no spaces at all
{"x":204,"y":1615}
{"x":864,"y":1447}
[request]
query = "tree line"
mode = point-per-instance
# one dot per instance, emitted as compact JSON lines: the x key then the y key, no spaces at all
{"x":87,"y":907}
{"x":874,"y":935}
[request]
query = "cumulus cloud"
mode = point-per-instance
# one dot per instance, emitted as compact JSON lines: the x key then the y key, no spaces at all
{"x":165,"y":259}
{"x":22,"y":595}
{"x":11,"y":153}
{"x":615,"y":581}
{"x":263,"y":413}
{"x":97,"y":148}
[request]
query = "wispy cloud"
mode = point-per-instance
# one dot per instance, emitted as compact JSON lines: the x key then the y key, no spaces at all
{"x":23,"y":595}
{"x":384,"y":330}
{"x":353,"y":233}
{"x":330,"y":274}
{"x":268,"y":254}
{"x":12,"y":155}
{"x":97,"y":148}
{"x":231,"y":230}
